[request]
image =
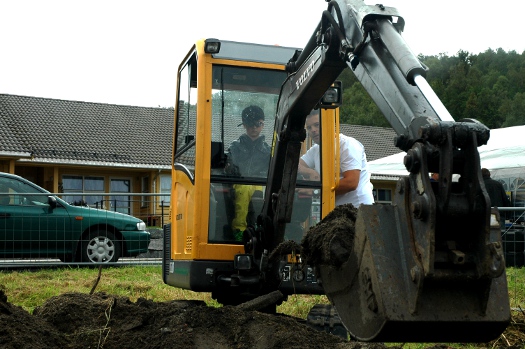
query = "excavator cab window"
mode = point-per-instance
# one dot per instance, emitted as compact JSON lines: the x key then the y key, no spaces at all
{"x":239,"y":175}
{"x":185,"y":126}
{"x":240,"y":152}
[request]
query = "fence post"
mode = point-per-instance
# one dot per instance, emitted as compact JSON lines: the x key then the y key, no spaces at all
{"x":162,"y":213}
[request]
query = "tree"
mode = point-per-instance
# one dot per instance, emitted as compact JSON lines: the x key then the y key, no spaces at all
{"x":489,"y":86}
{"x":514,"y":110}
{"x":359,"y":109}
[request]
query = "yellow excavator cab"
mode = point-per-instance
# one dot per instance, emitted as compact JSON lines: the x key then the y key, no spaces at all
{"x":216,"y":81}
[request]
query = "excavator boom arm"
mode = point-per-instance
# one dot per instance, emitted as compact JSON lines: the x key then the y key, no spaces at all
{"x":440,"y":234}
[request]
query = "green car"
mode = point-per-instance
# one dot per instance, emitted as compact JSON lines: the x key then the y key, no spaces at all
{"x":36,"y":224}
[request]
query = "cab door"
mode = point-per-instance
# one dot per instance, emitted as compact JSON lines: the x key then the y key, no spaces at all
{"x":184,"y":162}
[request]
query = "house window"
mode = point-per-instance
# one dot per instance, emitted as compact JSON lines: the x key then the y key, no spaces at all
{"x":145,"y":199}
{"x":88,"y":185}
{"x":165,"y":188}
{"x":120,"y":203}
{"x":383,"y":195}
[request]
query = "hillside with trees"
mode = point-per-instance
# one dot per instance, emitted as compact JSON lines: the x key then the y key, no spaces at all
{"x":488,"y":86}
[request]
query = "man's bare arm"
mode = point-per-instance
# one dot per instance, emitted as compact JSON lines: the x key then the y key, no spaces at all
{"x":349,"y":182}
{"x":307,"y":172}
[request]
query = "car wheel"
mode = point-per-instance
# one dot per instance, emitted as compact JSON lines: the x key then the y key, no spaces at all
{"x":100,"y":247}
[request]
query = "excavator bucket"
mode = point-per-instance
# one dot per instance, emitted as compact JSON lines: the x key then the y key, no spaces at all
{"x":382,"y":294}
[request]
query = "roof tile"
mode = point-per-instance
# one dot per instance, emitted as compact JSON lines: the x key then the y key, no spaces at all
{"x":63,"y":131}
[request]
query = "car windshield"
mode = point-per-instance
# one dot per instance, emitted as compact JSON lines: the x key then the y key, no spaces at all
{"x":21,"y":193}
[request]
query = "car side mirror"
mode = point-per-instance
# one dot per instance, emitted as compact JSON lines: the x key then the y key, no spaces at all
{"x":52,"y":201}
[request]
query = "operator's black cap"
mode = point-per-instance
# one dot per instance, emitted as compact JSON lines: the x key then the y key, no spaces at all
{"x":252,"y":114}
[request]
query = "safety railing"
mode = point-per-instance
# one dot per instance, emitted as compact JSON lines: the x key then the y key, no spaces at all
{"x":32,"y":233}
{"x":46,"y":229}
{"x":152,"y":208}
{"x":513,"y":235}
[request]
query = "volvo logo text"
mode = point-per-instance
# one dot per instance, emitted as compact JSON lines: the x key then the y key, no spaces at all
{"x":304,"y":76}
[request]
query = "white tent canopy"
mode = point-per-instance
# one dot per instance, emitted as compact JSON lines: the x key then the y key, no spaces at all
{"x":503,"y":155}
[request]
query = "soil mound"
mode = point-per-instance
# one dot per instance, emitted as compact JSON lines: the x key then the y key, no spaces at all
{"x":76,"y":320}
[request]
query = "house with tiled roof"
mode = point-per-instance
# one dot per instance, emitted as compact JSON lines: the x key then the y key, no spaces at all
{"x":378,"y":143}
{"x":81,"y":147}
{"x":71,"y":146}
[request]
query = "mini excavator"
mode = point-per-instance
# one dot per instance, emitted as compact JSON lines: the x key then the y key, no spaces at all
{"x":426,"y":267}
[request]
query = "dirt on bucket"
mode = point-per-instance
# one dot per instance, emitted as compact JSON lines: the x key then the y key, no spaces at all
{"x":331,"y":240}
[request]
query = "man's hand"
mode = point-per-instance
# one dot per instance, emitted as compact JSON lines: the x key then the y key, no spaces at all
{"x":307,"y":172}
{"x":311,"y":175}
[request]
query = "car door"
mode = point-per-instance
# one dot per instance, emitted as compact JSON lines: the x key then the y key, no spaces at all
{"x":29,"y":225}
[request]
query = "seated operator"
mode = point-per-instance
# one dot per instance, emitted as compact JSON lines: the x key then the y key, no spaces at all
{"x":354,"y":183}
{"x":248,"y":156}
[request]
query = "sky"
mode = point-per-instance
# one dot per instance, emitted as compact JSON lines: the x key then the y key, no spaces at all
{"x":128,"y":51}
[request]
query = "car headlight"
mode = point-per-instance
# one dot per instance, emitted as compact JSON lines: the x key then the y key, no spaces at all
{"x":141,"y":225}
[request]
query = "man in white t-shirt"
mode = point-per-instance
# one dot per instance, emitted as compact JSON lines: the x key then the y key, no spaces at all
{"x":354,"y":183}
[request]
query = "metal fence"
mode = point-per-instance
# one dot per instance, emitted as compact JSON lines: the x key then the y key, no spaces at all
{"x":512,"y":235}
{"x":153,"y":209}
{"x":33,"y":234}
{"x":36,"y":229}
